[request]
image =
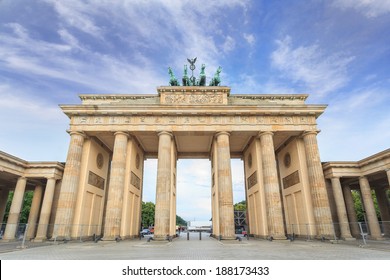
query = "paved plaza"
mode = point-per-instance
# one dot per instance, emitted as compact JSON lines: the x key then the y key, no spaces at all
{"x":195,"y":249}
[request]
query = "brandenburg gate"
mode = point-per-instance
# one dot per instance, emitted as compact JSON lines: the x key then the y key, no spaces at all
{"x":112,"y":134}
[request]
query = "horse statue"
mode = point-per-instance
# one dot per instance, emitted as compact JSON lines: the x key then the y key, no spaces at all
{"x":186,"y":80}
{"x":172,"y":81}
{"x":216,"y":80}
{"x":202,"y":76}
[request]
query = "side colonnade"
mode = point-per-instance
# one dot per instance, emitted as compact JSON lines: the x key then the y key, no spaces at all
{"x":44,"y":179}
{"x":369,"y":179}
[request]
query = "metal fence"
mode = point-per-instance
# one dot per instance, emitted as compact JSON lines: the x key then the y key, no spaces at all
{"x":359,"y":231}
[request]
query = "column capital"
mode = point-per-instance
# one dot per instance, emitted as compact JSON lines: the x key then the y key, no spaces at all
{"x":261,"y":133}
{"x":81,"y":133}
{"x":222,"y":133}
{"x":52,"y":178}
{"x":308,"y":132}
{"x":121,"y":133}
{"x":21,"y":178}
{"x":165,"y":132}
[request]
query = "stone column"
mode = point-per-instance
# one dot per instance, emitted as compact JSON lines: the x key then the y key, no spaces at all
{"x":271,"y":187}
{"x":372,"y":219}
{"x":115,"y":190}
{"x":225,"y":188}
{"x":341,"y":209}
{"x":46,"y":209}
{"x":322,"y":214}
{"x":16,"y":206}
{"x":384,"y":208}
{"x":34,"y":211}
{"x":351,"y":211}
{"x":69,"y":187}
{"x":163,"y":186}
{"x":388,"y":175}
{"x":3,"y":203}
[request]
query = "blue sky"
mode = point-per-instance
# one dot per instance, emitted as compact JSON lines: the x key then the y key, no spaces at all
{"x":338,"y":51}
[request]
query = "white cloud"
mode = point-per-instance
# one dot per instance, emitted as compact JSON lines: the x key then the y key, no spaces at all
{"x":186,"y":28}
{"x":355,"y":125}
{"x":369,"y":8}
{"x":250,"y":39}
{"x":31,"y":128}
{"x":229,"y":44}
{"x":68,"y":38}
{"x":320,"y":72}
{"x":77,"y":15}
{"x":32,"y":57}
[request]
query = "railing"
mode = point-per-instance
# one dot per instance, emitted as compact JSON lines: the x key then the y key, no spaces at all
{"x":338,"y":231}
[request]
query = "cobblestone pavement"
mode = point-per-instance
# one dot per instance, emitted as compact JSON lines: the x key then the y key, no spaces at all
{"x":205,"y":249}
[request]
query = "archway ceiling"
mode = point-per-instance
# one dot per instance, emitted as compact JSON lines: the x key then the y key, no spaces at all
{"x":194,"y":144}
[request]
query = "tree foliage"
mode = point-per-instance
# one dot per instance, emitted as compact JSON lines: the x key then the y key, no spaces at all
{"x":240,"y":206}
{"x":359,"y":206}
{"x":148,"y":211}
{"x":27,"y":200}
{"x":180,"y":221}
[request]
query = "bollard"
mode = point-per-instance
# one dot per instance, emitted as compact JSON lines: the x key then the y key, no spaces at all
{"x":200,"y":235}
{"x":188,"y":235}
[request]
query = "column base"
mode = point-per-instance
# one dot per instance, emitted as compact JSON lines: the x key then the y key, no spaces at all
{"x":111,"y":238}
{"x":228,"y":237}
{"x":277,"y":237}
{"x":7,"y":240}
{"x":39,"y":239}
{"x":376,"y":238}
{"x":349,"y":238}
{"x":162,"y":237}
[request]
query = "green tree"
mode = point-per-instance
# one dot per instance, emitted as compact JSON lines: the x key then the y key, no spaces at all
{"x":180,"y":221}
{"x":359,"y":206}
{"x":27,"y":200}
{"x":240,"y":206}
{"x":148,"y":210}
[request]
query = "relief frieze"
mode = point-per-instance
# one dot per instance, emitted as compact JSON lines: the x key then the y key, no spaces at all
{"x":291,"y":180}
{"x":135,"y":180}
{"x":192,"y":99}
{"x":252,"y":180}
{"x":95,"y":180}
{"x":193,"y":120}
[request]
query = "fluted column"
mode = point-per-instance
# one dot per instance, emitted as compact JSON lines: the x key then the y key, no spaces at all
{"x":3,"y":203}
{"x":16,"y":206}
{"x":225,"y":188}
{"x":47,"y":203}
{"x":388,"y":175}
{"x":384,"y":208}
{"x":34,"y":211}
{"x":69,"y":187}
{"x":271,"y":187}
{"x":370,"y":209}
{"x":341,"y":209}
{"x":322,"y":214}
{"x":116,"y":187}
{"x":163,"y":186}
{"x":350,"y":205}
